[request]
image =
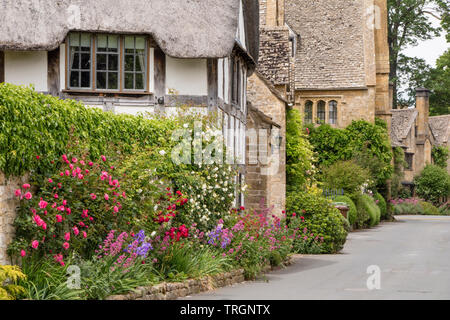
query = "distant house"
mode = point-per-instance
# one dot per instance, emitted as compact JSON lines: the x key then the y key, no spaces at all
{"x":417,"y":133}
{"x":135,"y":56}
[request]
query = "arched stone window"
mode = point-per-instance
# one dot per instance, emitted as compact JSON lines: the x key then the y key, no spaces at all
{"x":332,"y":105}
{"x":321,"y":111}
{"x":308,"y":111}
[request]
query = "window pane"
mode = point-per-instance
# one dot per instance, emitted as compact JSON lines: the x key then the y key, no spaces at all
{"x":85,"y":61}
{"x":101,"y":80}
{"x":129,"y":44}
{"x":76,"y":61}
{"x":139,"y":63}
{"x":113,"y":80}
{"x":74,"y":39}
{"x":139,"y":81}
{"x":102,"y":43}
{"x":85,"y":79}
{"x":129,"y":63}
{"x":101,"y":62}
{"x":74,"y":79}
{"x":85,"y":42}
{"x":113,"y":63}
{"x":129,"y":81}
{"x":113,"y":43}
{"x":140,"y":43}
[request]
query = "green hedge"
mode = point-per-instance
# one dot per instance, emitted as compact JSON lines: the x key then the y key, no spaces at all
{"x":352,"y":212}
{"x":34,"y":124}
{"x":372,"y":209}
{"x":381,"y":204}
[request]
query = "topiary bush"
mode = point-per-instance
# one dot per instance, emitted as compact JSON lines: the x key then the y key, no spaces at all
{"x":372,"y":209}
{"x":381,"y":203}
{"x":321,"y":218}
{"x":352,"y":213}
{"x":429,"y":209}
{"x":433,"y":184}
{"x":346,"y":175}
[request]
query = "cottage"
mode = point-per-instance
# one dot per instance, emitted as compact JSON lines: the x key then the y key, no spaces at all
{"x":417,"y":133}
{"x":135,"y":56}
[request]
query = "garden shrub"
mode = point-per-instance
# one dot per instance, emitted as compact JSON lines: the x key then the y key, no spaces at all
{"x":305,"y":242}
{"x":352,"y":213}
{"x":9,"y":278}
{"x":299,"y":153}
{"x":429,"y":209}
{"x":440,"y":156}
{"x":407,"y":206}
{"x":362,"y":215}
{"x":321,"y":218}
{"x":372,"y":209}
{"x":399,"y":173}
{"x":39,"y":125}
{"x":346,"y":175}
{"x":433,"y":184}
{"x":381,"y":203}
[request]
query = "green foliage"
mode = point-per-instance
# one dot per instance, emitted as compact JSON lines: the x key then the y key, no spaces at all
{"x":34,"y":124}
{"x":9,"y":277}
{"x":367,"y":143}
{"x":321,"y":218}
{"x":429,"y":209}
{"x":440,"y":156}
{"x":398,"y":175}
{"x":381,"y":203}
{"x":346,"y":175}
{"x":298,"y":152}
{"x":372,"y":209}
{"x":352,"y":213}
{"x":433,"y":184}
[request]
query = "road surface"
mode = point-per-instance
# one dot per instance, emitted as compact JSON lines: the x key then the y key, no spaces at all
{"x":413,"y":255}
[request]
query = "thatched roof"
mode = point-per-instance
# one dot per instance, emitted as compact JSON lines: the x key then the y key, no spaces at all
{"x":402,"y":122}
{"x":182,"y":28}
{"x":440,"y":126}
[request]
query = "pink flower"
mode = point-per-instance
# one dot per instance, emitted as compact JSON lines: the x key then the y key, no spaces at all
{"x":61,"y":174}
{"x":23,"y":253}
{"x":28,"y":196}
{"x":74,"y":160}
{"x":44,"y":226}
{"x":103,"y":158}
{"x":76,"y":231}
{"x":34,"y":244}
{"x":17,"y":193}
{"x":66,"y":245}
{"x":50,"y":180}
{"x":67,"y":173}
{"x":67,"y":236}
{"x":59,"y":218}
{"x":82,"y":162}
{"x":64,"y":157}
{"x":106,"y":197}
{"x":56,"y":196}
{"x":116,"y":209}
{"x":38,"y":157}
{"x":26,"y":186}
{"x":85,"y":213}
{"x":69,"y":211}
{"x":43,"y":204}
{"x":84,"y":234}
{"x":93,"y":196}
{"x":90,"y":164}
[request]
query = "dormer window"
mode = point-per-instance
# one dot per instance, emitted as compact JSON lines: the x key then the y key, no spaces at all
{"x":107,"y":63}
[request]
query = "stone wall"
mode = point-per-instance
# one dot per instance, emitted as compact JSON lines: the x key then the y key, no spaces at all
{"x":266,"y":99}
{"x":172,"y":291}
{"x":8,"y":206}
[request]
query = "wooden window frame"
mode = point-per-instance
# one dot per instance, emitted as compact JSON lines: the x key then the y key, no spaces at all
{"x":121,"y":90}
{"x":321,"y":103}
{"x":333,"y":115}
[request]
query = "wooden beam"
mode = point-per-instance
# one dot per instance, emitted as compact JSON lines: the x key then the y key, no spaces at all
{"x":53,"y":74}
{"x":2,"y":66}
{"x":213,"y":90}
{"x":160,"y":73}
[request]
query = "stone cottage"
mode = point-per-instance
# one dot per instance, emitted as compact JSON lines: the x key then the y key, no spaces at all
{"x":417,"y":133}
{"x":135,"y":57}
{"x":341,"y":70}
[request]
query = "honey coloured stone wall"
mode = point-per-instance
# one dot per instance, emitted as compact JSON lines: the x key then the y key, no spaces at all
{"x":8,"y":209}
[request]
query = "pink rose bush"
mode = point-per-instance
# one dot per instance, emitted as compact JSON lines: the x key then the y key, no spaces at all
{"x":65,"y":214}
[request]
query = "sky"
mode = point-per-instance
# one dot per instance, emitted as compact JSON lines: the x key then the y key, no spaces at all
{"x":429,"y":50}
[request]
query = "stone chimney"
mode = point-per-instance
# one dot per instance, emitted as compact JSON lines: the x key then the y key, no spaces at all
{"x":423,"y":107}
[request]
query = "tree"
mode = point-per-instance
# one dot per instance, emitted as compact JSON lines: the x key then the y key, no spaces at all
{"x":439,"y":84}
{"x":409,"y":23}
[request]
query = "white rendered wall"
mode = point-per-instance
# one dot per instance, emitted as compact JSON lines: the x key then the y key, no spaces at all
{"x":25,"y":68}
{"x":187,"y":76}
